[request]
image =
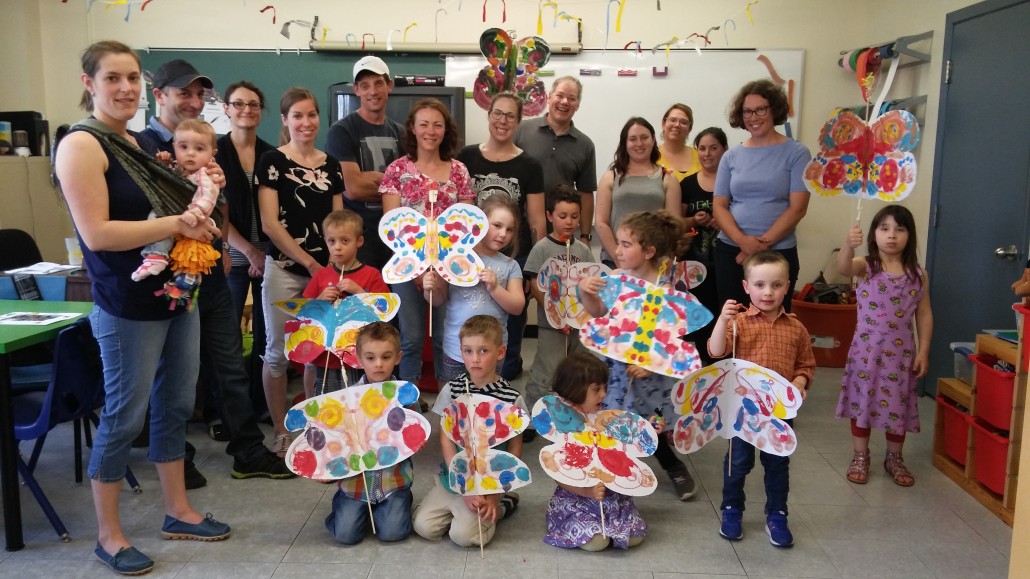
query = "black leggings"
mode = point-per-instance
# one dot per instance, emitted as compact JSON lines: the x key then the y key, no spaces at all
{"x":665,"y":454}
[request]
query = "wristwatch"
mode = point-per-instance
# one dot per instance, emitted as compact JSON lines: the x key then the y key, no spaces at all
{"x":587,"y":236}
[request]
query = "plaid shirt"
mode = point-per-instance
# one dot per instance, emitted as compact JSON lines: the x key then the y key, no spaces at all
{"x":782,"y":345}
{"x":382,"y":482}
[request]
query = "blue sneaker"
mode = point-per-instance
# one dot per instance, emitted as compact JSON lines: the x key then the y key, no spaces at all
{"x":732,"y":528}
{"x":206,"y":530}
{"x":776,"y":527}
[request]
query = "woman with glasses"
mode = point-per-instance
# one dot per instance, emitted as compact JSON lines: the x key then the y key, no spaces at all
{"x":760,"y":193}
{"x":498,"y":166}
{"x":675,"y":154}
{"x":633,"y":182}
{"x":238,"y":152}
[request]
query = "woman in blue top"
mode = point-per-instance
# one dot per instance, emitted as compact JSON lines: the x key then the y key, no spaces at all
{"x":149,"y":352}
{"x":760,"y":193}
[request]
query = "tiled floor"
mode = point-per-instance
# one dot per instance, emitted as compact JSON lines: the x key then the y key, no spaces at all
{"x":841,"y":530}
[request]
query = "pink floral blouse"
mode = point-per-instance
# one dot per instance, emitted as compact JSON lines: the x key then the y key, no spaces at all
{"x":404,"y":179}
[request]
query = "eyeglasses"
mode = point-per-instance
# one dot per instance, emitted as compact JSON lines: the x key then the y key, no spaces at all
{"x":498,"y":114}
{"x":240,"y":105}
{"x":678,"y":121}
{"x":759,"y":112}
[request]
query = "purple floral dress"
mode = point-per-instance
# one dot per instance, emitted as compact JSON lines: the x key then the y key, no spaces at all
{"x":879,"y":389}
{"x":573,"y":520}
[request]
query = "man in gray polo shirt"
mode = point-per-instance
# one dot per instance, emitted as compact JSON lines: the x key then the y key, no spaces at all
{"x":566,"y":154}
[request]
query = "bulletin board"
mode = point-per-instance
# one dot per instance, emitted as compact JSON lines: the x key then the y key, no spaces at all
{"x":705,"y":82}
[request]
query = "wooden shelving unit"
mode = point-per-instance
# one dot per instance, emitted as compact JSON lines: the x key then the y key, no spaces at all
{"x":955,"y":392}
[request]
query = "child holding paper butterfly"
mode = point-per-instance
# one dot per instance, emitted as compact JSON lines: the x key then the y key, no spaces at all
{"x":573,"y":516}
{"x":499,"y":291}
{"x":427,"y":179}
{"x":647,"y":242}
{"x":885,"y":360}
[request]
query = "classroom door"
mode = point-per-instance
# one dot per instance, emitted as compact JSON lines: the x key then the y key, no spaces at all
{"x":979,"y":201}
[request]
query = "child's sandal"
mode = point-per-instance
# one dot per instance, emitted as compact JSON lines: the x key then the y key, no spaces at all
{"x":858,"y":470}
{"x":280,"y":444}
{"x":895,"y":466}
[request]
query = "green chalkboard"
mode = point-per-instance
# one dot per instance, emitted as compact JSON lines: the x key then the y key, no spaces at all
{"x":273,"y":73}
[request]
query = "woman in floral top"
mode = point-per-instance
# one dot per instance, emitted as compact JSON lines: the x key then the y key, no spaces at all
{"x":430,"y":141}
{"x":298,"y":185}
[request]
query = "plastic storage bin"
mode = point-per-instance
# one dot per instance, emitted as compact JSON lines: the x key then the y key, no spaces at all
{"x":963,"y":365}
{"x":1024,"y":329}
{"x":956,"y":429}
{"x":993,"y":392}
{"x":831,"y":327}
{"x":991,"y":451}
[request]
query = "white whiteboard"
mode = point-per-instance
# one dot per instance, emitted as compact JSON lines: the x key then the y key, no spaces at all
{"x":705,"y":83}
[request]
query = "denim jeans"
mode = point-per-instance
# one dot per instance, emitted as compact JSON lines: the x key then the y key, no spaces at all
{"x":221,"y":350}
{"x":278,"y":285}
{"x":731,"y":274}
{"x":239,"y":282}
{"x":412,"y":319}
{"x":777,"y":476}
{"x":348,"y":523}
{"x":144,"y":360}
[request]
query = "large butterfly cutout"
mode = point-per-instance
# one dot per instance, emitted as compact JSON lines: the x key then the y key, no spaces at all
{"x":559,"y":282}
{"x":869,"y":161}
{"x":320,"y":326}
{"x":736,"y":398}
{"x":510,"y":67}
{"x":476,"y":423}
{"x":354,"y":430}
{"x":604,"y":447}
{"x":644,"y":325}
{"x":446,"y":243}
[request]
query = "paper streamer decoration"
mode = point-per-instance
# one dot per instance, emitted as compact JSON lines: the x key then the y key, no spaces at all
{"x":510,"y":67}
{"x":747,"y":8}
{"x":736,"y":399}
{"x":587,"y":449}
{"x":269,"y":7}
{"x":504,"y":10}
{"x":446,"y":243}
{"x":865,"y":161}
{"x":644,"y":325}
{"x":476,"y":423}
{"x":320,"y":326}
{"x":559,"y":282}
{"x":540,"y":15}
{"x":357,"y":429}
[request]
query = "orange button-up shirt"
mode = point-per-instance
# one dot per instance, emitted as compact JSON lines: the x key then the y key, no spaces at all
{"x":781,"y":345}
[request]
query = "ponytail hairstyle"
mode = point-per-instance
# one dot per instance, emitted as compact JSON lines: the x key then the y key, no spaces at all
{"x":91,"y":58}
{"x":903,"y":217}
{"x":658,"y":229}
{"x":504,"y":201}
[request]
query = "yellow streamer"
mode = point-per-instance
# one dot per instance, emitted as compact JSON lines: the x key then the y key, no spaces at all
{"x":618,"y":16}
{"x":747,"y":8}
{"x":325,"y":32}
{"x":404,"y":37}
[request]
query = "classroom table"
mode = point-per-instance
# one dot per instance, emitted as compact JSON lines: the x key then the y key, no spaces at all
{"x":13,"y":338}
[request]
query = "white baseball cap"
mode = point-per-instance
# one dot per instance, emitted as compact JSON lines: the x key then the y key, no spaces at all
{"x":372,"y":64}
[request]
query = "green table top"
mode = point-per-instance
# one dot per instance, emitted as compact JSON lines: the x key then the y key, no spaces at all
{"x":14,"y":338}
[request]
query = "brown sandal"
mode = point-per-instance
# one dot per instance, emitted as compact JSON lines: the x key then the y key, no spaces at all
{"x":895,"y":466}
{"x":280,"y":444}
{"x":858,"y":470}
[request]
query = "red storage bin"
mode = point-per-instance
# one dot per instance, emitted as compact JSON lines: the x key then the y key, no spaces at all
{"x":993,"y":392}
{"x":956,"y":429}
{"x":831,"y":327}
{"x":991,"y":452}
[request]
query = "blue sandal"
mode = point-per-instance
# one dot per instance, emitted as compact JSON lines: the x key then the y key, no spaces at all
{"x":207,"y":530}
{"x":127,"y":561}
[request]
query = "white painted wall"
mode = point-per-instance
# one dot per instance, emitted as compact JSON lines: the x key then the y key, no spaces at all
{"x":41,"y":54}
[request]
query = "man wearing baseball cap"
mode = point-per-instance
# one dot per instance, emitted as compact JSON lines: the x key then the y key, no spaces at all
{"x":179,"y":92}
{"x":365,"y":142}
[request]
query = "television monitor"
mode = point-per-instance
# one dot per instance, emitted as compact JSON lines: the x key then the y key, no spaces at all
{"x":344,"y":102}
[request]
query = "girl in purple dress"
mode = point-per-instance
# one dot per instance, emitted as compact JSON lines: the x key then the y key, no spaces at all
{"x":573,"y":516}
{"x":884,"y":362}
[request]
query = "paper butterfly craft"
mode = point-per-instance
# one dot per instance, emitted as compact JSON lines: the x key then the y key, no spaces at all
{"x":559,"y":282}
{"x":736,"y":398}
{"x":322,"y":326}
{"x":510,"y":67}
{"x":868,"y":161}
{"x":475,"y":423}
{"x":687,"y":275}
{"x":354,"y":430}
{"x":644,"y":325}
{"x":446,"y":243}
{"x":604,"y":447}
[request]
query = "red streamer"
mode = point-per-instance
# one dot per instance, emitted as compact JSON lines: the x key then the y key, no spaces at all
{"x":504,"y":10}
{"x":144,"y":5}
{"x":263,"y":10}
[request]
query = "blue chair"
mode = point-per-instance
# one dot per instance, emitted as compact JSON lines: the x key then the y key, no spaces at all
{"x":75,"y":391}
